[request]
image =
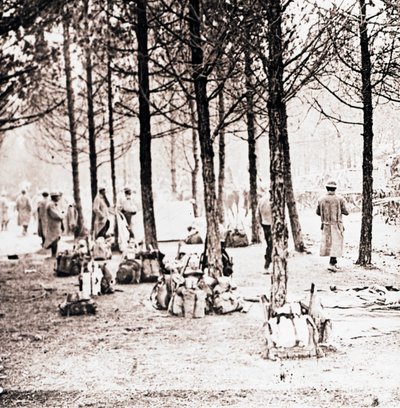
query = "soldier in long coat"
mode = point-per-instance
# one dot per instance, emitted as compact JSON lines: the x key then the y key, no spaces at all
{"x":54,"y":222}
{"x":42,"y":215}
{"x":101,"y":213}
{"x":4,"y":211}
{"x":24,"y":209}
{"x":330,"y":208}
{"x":71,"y":220}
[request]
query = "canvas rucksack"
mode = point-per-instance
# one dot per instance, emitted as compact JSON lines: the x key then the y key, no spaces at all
{"x":68,"y":264}
{"x":101,"y":250}
{"x":129,"y":271}
{"x":74,"y":305}
{"x":236,"y":238}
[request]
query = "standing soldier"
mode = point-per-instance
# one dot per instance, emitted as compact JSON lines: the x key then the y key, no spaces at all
{"x":101,"y":213}
{"x":4,"y":211}
{"x":265,"y":218}
{"x":54,"y":221}
{"x":24,"y":209}
{"x":71,"y":220}
{"x":128,"y":209}
{"x":42,"y":215}
{"x":331,"y":208}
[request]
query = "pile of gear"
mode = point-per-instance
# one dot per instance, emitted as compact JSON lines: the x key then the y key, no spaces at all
{"x":139,"y":264}
{"x":95,"y":278}
{"x":296,"y":330}
{"x":186,"y":290}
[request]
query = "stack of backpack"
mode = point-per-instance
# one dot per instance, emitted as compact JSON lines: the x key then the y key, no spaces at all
{"x":181,"y":290}
{"x":140,"y":265}
{"x":185,"y":290}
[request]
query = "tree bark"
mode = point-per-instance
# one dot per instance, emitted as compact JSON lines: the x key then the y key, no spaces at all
{"x":196,"y":161}
{"x":110,"y":101}
{"x":221,"y":157}
{"x":277,"y":133}
{"x":251,"y":142}
{"x":290,"y":199}
{"x":365,"y":248}
{"x":89,"y":99}
{"x":172,"y":163}
{"x":110,"y":107}
{"x":206,"y":148}
{"x":72,"y":125}
{"x":145,"y":126}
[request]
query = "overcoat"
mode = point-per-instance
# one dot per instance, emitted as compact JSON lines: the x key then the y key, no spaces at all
{"x":101,"y":213}
{"x":24,"y":209}
{"x":4,"y":210}
{"x":331,"y":208}
{"x":71,"y":219}
{"x":54,"y":221}
{"x":42,"y":217}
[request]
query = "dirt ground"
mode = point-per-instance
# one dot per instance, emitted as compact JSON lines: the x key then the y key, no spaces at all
{"x":131,"y":355}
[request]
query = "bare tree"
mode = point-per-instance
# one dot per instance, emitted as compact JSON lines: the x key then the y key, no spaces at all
{"x":72,"y":123}
{"x":145,"y":127}
{"x":277,"y":129}
{"x":207,"y":154}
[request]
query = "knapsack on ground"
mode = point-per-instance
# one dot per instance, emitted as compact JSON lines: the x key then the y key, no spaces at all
{"x":151,"y":265}
{"x":106,"y":283}
{"x":235,"y":238}
{"x":227,"y":262}
{"x":162,"y":292}
{"x":226,"y":298}
{"x":193,"y":238}
{"x":129,"y":271}
{"x":101,"y":250}
{"x":68,"y":264}
{"x":74,"y":305}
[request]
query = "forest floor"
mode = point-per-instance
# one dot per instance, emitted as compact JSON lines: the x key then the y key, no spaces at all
{"x":131,"y":355}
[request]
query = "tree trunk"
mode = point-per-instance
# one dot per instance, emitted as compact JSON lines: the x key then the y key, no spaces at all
{"x":196,"y":160}
{"x":277,"y":133}
{"x":221,"y":157}
{"x":72,"y":126}
{"x":365,"y":248}
{"x":206,"y":148}
{"x":251,"y":141}
{"x":145,"y":128}
{"x":110,"y":106}
{"x":290,"y":199}
{"x":173,"y":164}
{"x":89,"y":98}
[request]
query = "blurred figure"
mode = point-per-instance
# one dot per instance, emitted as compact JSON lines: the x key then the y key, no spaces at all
{"x":55,"y":217}
{"x":265,"y":218}
{"x":101,"y":210}
{"x":24,"y":209}
{"x":71,"y":220}
{"x":4,"y":211}
{"x":331,"y":208}
{"x":42,"y":215}
{"x":128,"y":208}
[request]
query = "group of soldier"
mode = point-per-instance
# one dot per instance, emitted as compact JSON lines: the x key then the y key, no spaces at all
{"x":54,"y":219}
{"x":56,"y":216}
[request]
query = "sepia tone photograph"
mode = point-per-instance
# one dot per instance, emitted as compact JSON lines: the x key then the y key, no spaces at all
{"x":199,"y":203}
